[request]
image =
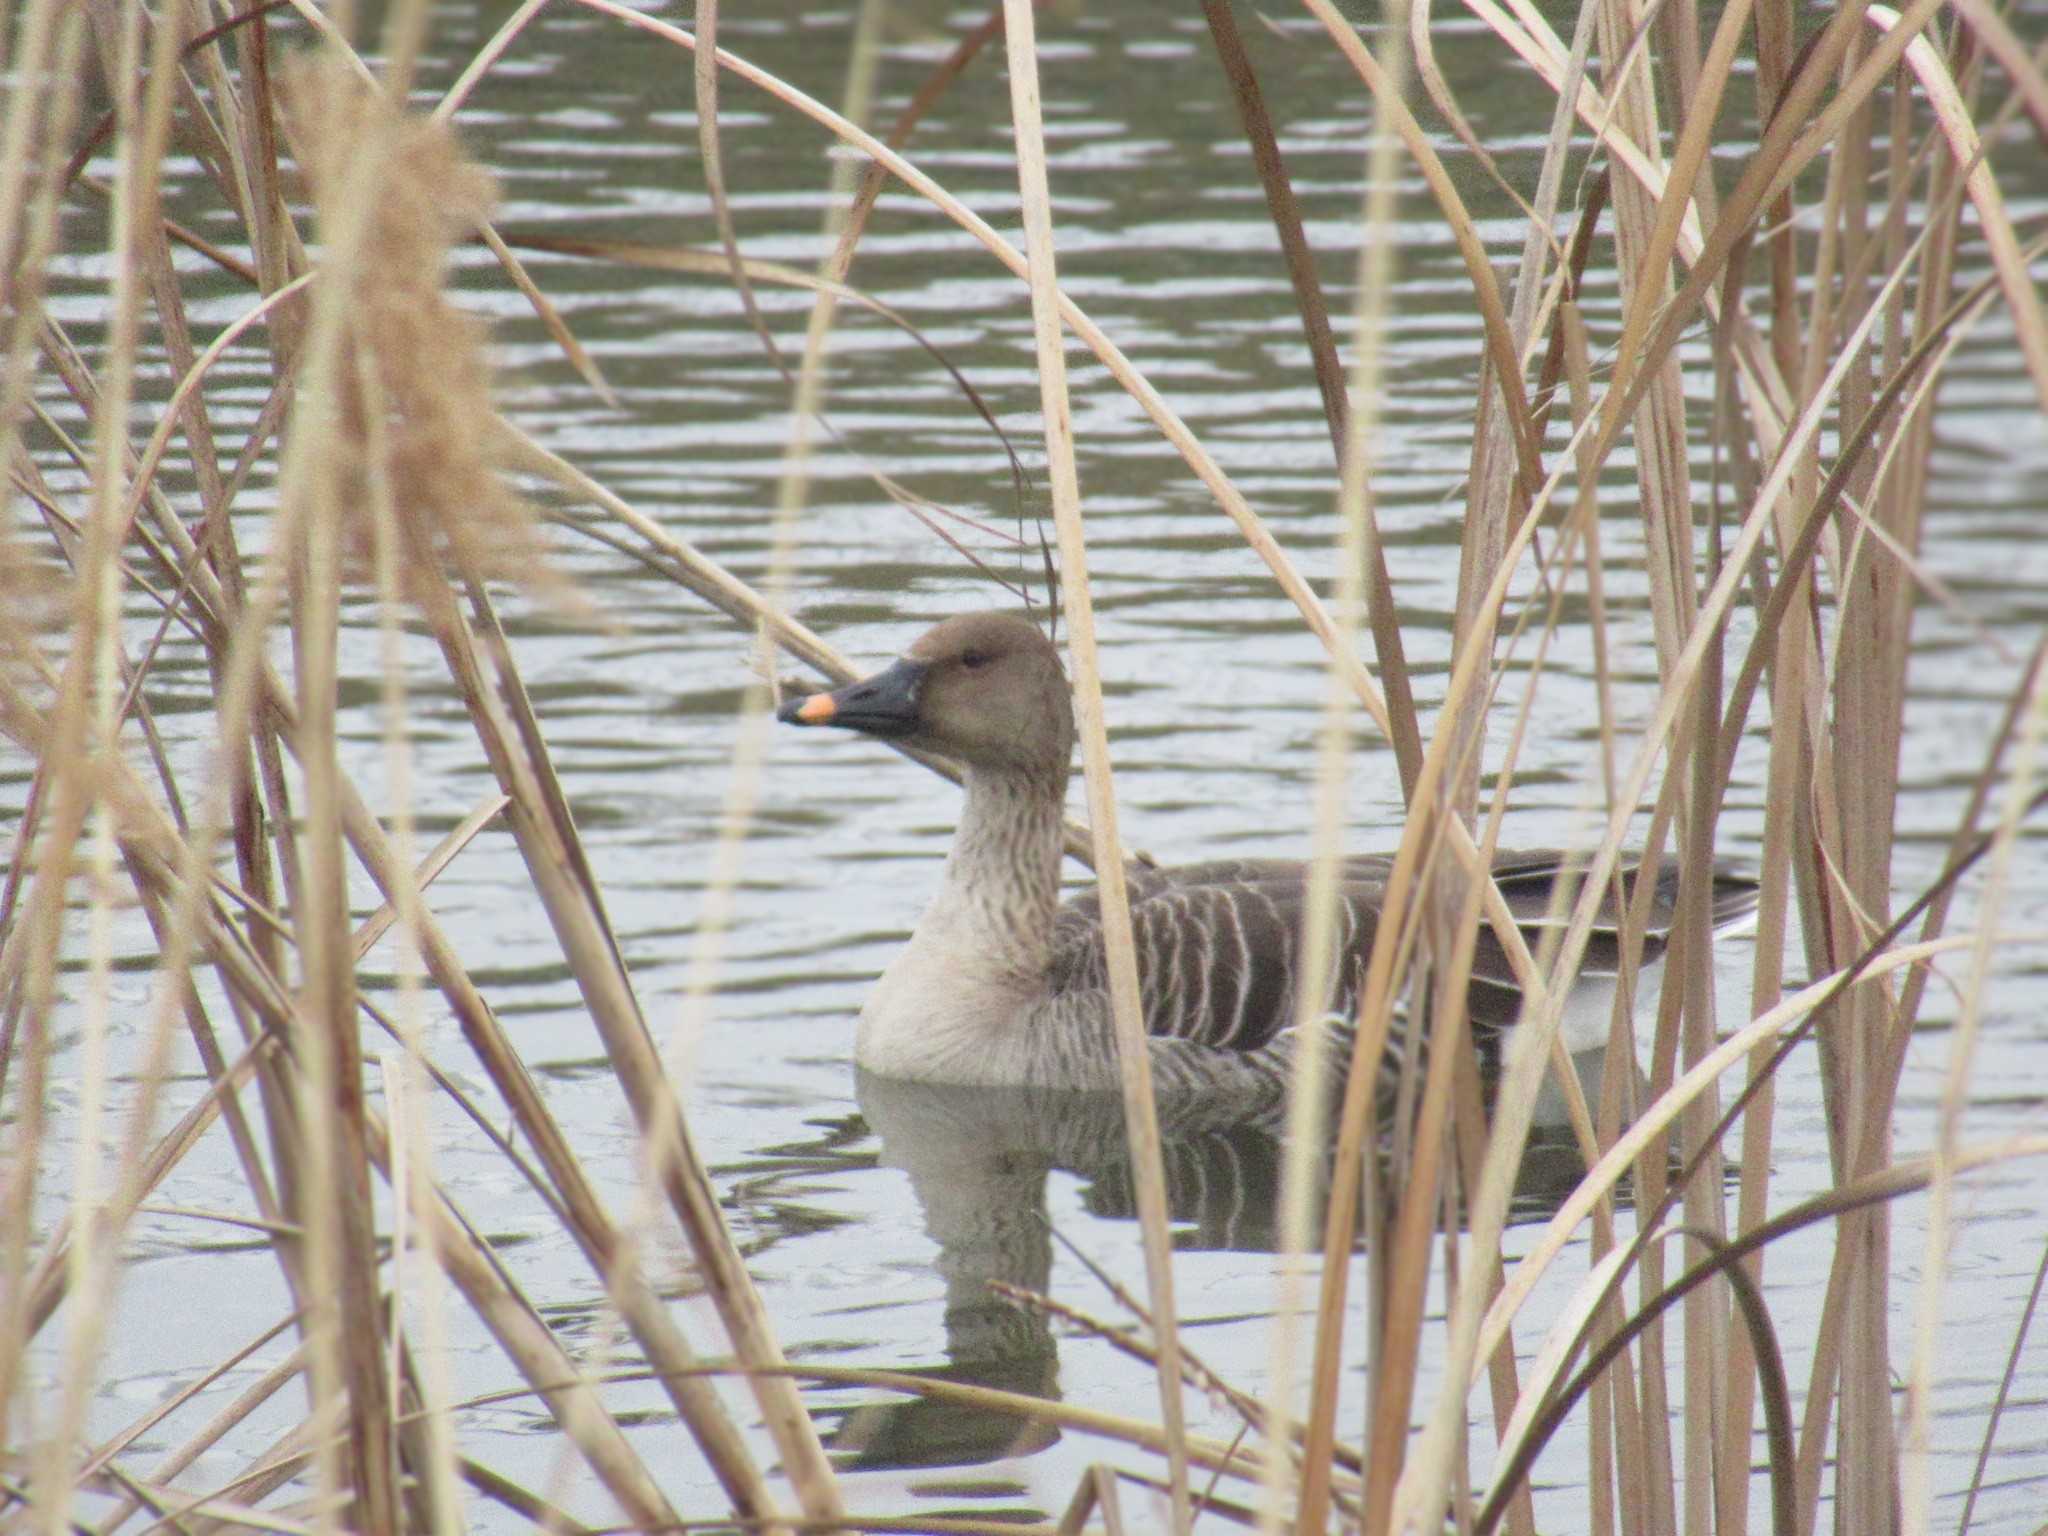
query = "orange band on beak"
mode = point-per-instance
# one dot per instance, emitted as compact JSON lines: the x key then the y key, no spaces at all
{"x":818,"y":709}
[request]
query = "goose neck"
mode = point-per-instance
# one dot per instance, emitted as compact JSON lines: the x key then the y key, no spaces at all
{"x":1002,"y":877}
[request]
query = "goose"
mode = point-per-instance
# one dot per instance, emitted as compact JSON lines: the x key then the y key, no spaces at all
{"x":1002,"y":985}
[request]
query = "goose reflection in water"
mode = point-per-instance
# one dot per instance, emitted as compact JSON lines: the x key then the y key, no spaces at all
{"x":978,"y":1159}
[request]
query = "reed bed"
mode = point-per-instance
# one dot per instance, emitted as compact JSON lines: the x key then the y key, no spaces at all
{"x":1805,"y":221}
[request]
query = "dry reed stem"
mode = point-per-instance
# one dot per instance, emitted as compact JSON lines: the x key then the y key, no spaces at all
{"x":2005,"y":1382}
{"x":1749,"y":1243}
{"x":1882,"y":1187}
{"x":119,"y":1442}
{"x":1307,"y":1487}
{"x":1500,"y":350}
{"x":528,"y":1344}
{"x":481,"y":62}
{"x":1430,"y":1464}
{"x":427,"y":1439}
{"x":875,"y":178}
{"x":457,"y":838}
{"x":1765,"y":392}
{"x":41,"y":115}
{"x":1285,"y":211}
{"x":577,"y":1205}
{"x":1615,"y":1425}
{"x":1134,"y":1059}
{"x":704,"y":81}
{"x":2022,"y":294}
{"x":445,"y":109}
{"x":1211,"y":1455}
{"x":1196,"y":1371}
{"x":1778,"y":158}
{"x":1542,"y":1001}
{"x":374,"y":425}
{"x":1646,"y":234}
{"x":252,"y":1397}
{"x":1492,"y":486}
{"x":87,"y":722}
{"x":1868,"y":1151}
{"x":1874,"y":1115}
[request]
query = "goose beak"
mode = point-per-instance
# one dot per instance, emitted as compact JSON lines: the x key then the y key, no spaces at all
{"x":883,"y":705}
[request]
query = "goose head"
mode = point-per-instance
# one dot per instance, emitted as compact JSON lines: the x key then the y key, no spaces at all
{"x":984,"y":689}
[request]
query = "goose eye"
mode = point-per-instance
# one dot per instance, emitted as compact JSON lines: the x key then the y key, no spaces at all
{"x":974,"y":661}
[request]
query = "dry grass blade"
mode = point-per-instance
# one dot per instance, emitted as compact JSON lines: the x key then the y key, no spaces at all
{"x":1799,"y":1012}
{"x":1096,"y":1493}
{"x":88,"y":725}
{"x":1688,"y":661}
{"x":47,"y":1285}
{"x":1825,"y":995}
{"x":247,"y":1401}
{"x":1796,"y":1014}
{"x":704,"y":77}
{"x":1227,"y":1458}
{"x":276,"y":1377}
{"x":1198,"y":1373}
{"x":1995,"y":34}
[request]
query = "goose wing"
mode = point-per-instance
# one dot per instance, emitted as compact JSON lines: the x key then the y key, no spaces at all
{"x":1218,"y":949}
{"x":1529,"y":882}
{"x":1218,"y":942}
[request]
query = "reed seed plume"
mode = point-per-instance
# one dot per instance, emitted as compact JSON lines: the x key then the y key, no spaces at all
{"x":414,"y":399}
